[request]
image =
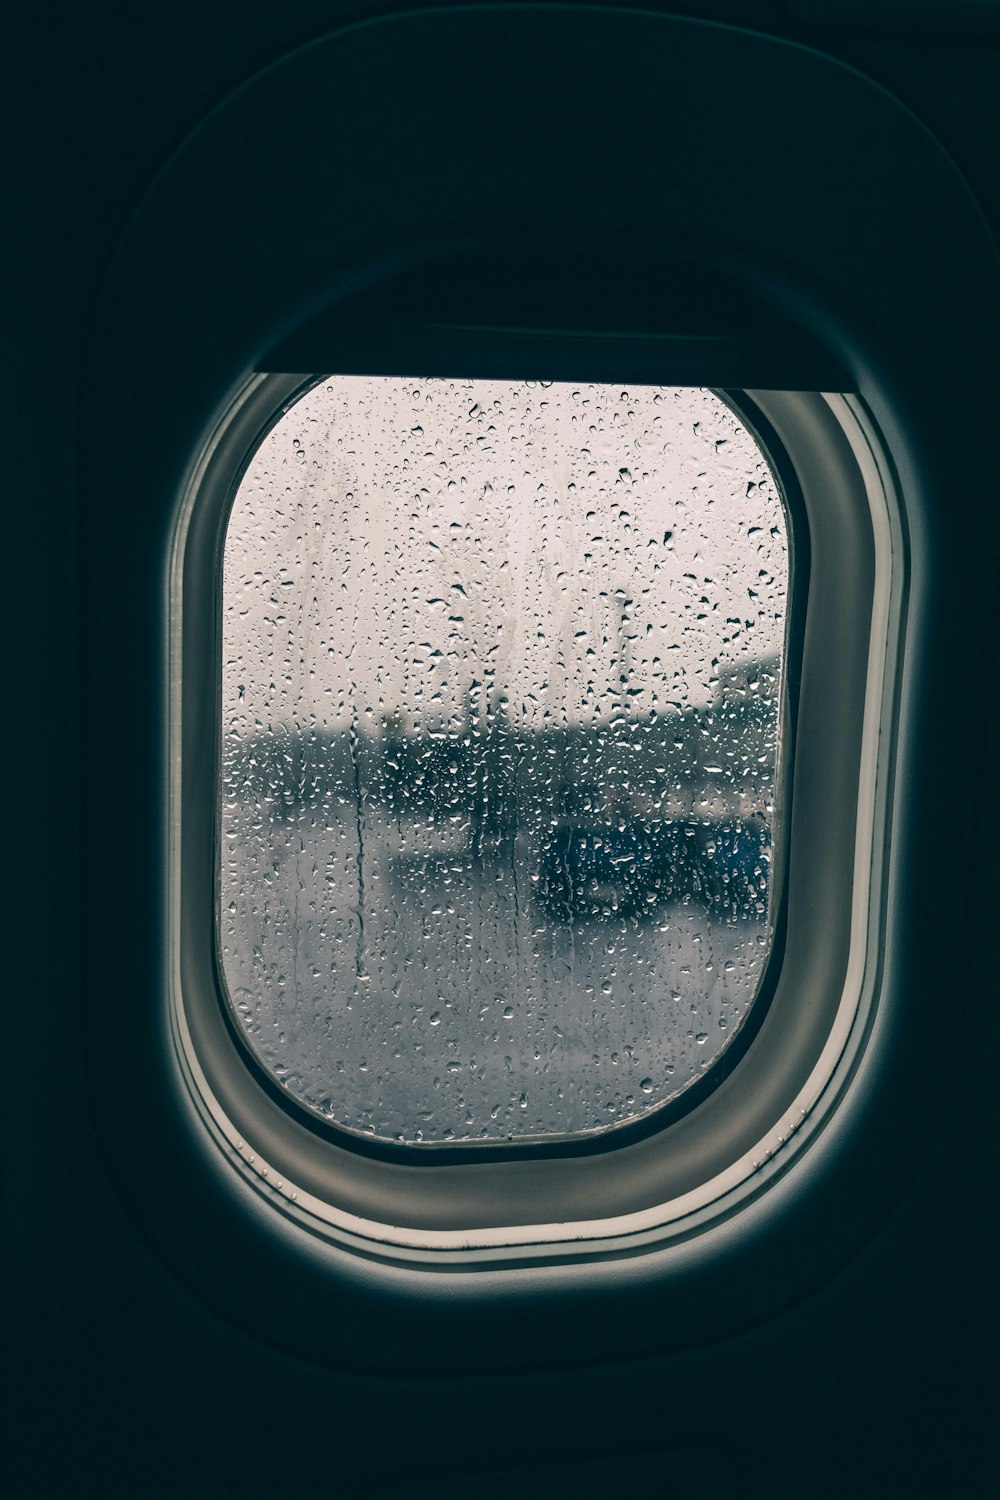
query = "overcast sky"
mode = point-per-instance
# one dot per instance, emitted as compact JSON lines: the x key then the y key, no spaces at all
{"x":404,"y":545}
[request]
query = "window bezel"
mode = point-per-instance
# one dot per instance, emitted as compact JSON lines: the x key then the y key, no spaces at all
{"x":573,"y":1197}
{"x":618,"y":1133}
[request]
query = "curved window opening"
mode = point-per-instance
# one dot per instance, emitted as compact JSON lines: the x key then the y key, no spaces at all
{"x":501,"y":693}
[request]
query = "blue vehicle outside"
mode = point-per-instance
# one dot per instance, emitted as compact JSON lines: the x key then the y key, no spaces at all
{"x":595,"y":865}
{"x":731,"y":866}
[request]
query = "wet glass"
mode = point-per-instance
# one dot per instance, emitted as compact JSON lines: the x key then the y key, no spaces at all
{"x":501,"y":686}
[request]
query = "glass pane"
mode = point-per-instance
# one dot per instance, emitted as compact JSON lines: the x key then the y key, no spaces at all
{"x":500,"y":702}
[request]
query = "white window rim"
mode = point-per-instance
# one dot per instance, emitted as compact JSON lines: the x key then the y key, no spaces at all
{"x":775,"y":1153}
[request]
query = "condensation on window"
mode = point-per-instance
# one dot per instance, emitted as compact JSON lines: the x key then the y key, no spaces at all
{"x":500,"y":707}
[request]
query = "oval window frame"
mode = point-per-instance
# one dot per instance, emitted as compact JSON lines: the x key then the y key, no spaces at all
{"x":681,"y":1168}
{"x":291,"y":390}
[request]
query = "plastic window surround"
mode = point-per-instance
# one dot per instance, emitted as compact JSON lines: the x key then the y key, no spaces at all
{"x":699,"y":1168}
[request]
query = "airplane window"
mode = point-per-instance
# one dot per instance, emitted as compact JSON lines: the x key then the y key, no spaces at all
{"x":502,"y":671}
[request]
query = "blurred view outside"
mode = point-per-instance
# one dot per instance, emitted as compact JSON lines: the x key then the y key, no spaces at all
{"x":500,"y":708}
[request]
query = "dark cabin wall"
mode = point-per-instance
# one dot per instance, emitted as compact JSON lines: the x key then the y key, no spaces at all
{"x":123,"y":1381}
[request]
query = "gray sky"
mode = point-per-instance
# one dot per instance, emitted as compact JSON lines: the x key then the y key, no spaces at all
{"x":397,"y":544}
